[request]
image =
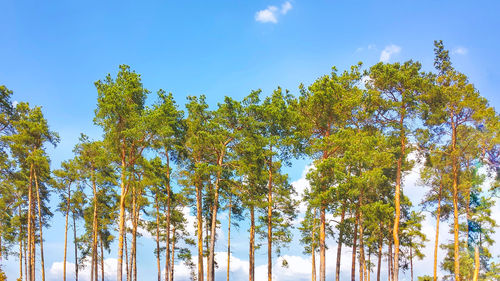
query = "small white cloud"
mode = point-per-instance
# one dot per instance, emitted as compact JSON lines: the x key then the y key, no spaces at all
{"x":267,"y":15}
{"x":271,"y":13}
{"x":15,"y":103}
{"x":460,"y":51}
{"x":285,"y":7}
{"x":387,"y":53}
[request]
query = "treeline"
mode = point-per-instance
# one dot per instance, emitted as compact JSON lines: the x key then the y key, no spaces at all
{"x":363,"y":129}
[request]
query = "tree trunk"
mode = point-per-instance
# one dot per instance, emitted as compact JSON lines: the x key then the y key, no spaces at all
{"x":455,"y":202}
{"x":213,"y":225}
{"x":167,"y":240}
{"x":20,"y":248}
{"x":158,"y":236}
{"x":42,"y":260}
{"x":395,"y":232}
{"x":313,"y":248}
{"x":66,"y":231}
{"x":322,"y":229}
{"x":229,"y":237}
{"x":30,"y":225}
{"x":476,"y":263}
{"x":94,"y":227}
{"x":380,"y":245}
{"x":76,"y":247}
{"x":123,"y":194}
{"x":270,"y":222}
{"x":127,"y":268}
{"x":102,"y":259}
{"x":362,"y":268}
{"x":411,"y":261}
{"x":199,"y":224}
{"x":251,"y":262}
{"x":436,"y":243}
{"x":173,"y":255}
{"x":353,"y":262}
{"x":339,"y":244}
{"x":389,"y":260}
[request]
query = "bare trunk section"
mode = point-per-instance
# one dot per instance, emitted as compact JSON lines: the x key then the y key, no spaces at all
{"x":379,"y":255}
{"x":436,"y":243}
{"x":199,"y":229}
{"x":102,"y":258}
{"x":94,"y":227}
{"x":30,"y":226}
{"x":157,"y":236}
{"x":339,"y":244}
{"x":173,"y":255}
{"x":476,"y":264}
{"x":42,"y":260}
{"x":167,"y":239}
{"x":455,"y":200}
{"x":213,"y":225}
{"x":76,"y":246}
{"x":313,"y":248}
{"x":66,"y":231}
{"x":353,"y":262}
{"x":270,"y":222}
{"x":229,"y":238}
{"x":251,"y":262}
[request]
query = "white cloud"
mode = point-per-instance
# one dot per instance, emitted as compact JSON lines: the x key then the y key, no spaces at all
{"x":460,"y":51}
{"x":271,"y":13}
{"x":387,"y":53}
{"x":285,"y":7}
{"x":56,"y":270}
{"x":15,"y":103}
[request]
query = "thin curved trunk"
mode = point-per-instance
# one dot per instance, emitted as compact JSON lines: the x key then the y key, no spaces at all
{"x":20,"y":247}
{"x":322,"y":228}
{"x":42,"y":260}
{"x":379,"y":256}
{"x":123,"y":194}
{"x":94,"y":227}
{"x":313,"y":248}
{"x":167,"y":239}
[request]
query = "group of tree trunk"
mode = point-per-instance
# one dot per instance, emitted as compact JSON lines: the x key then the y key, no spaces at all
{"x":363,"y":130}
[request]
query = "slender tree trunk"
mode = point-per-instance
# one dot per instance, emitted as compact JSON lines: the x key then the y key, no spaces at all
{"x":199,"y":220}
{"x":213,"y":225}
{"x":361,"y":238}
{"x":389,"y":260}
{"x":167,"y":248}
{"x":395,"y":232}
{"x":229,"y":237}
{"x":102,"y":258}
{"x":42,"y":260}
{"x":380,"y":245}
{"x":455,"y":202}
{"x":167,"y":239}
{"x":30,"y":225}
{"x":251,"y":259}
{"x":368,"y":270}
{"x":76,"y":247}
{"x":313,"y":248}
{"x":353,"y":262}
{"x":322,"y":228}
{"x":25,"y":261}
{"x":158,"y":236}
{"x":270,"y":223}
{"x":436,"y":243}
{"x":94,"y":227}
{"x":66,"y":231}
{"x":123,"y":194}
{"x":20,"y":247}
{"x":127,"y":268}
{"x":173,"y":255}
{"x":339,"y":244}
{"x":411,"y":261}
{"x":476,"y":263}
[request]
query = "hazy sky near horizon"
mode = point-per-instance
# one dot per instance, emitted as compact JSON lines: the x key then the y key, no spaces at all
{"x":52,"y":52}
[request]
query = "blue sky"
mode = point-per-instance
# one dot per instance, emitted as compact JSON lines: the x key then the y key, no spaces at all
{"x":52,"y":53}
